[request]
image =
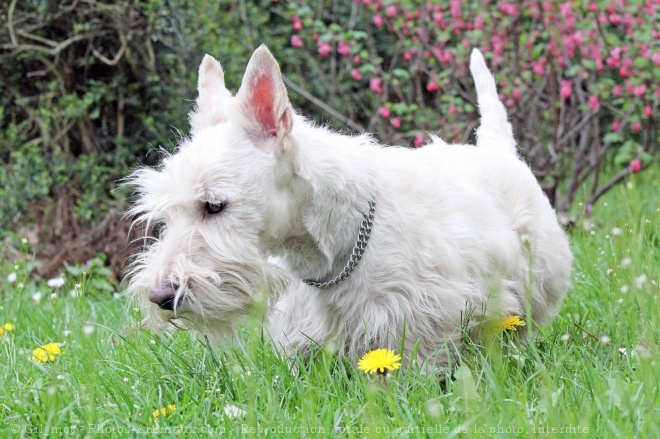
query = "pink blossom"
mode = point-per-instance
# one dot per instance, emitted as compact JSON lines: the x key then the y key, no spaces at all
{"x":324,"y":48}
{"x":384,"y":111}
{"x":432,"y":86}
{"x":297,"y":24}
{"x":407,"y":56}
{"x":639,"y":90}
{"x":391,"y":11}
{"x":438,"y":18}
{"x":565,"y":88}
{"x":375,"y":85}
{"x":538,"y":67}
{"x":396,"y":122}
{"x":636,"y":165}
{"x":617,"y":90}
{"x":455,"y":8}
{"x":344,"y":49}
{"x":479,"y":22}
{"x":623,"y":71}
{"x":648,"y":111}
{"x":616,"y":125}
{"x":378,"y":20}
{"x":357,"y":59}
{"x":315,"y":37}
{"x":594,"y":103}
{"x":498,"y":44}
{"x":636,"y":126}
{"x":509,"y":9}
{"x":296,"y":41}
{"x":516,"y":94}
{"x":356,"y":75}
{"x":419,"y":139}
{"x":452,"y":110}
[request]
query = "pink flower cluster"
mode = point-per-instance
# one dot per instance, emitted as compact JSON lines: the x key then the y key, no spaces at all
{"x":563,"y":45}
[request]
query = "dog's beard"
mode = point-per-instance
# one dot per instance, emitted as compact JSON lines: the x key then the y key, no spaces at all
{"x":213,"y":295}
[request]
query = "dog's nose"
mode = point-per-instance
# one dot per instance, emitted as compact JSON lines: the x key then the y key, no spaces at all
{"x":164,"y":297}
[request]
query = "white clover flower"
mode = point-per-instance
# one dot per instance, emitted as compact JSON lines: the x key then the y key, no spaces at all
{"x":11,"y":278}
{"x":36,"y":297}
{"x":605,"y":339}
{"x":616,"y":231}
{"x":640,"y":280}
{"x":88,"y":329}
{"x":625,"y":262}
{"x":55,"y":282}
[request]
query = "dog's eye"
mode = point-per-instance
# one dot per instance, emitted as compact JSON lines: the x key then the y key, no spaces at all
{"x":214,"y":208}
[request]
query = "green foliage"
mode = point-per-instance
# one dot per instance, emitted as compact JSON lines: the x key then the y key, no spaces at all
{"x":95,"y":275}
{"x":76,"y":118}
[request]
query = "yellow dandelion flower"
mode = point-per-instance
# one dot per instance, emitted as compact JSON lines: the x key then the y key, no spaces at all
{"x":6,"y":328}
{"x":379,"y":360}
{"x":46,"y":353}
{"x":511,"y":323}
{"x":164,"y":411}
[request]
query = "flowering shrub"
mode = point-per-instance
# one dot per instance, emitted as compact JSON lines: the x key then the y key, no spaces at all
{"x":89,"y":89}
{"x":579,"y":78}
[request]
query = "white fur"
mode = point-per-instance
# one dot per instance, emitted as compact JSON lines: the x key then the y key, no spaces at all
{"x":461,"y":233}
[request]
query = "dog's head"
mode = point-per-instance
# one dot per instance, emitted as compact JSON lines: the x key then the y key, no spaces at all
{"x":215,"y":201}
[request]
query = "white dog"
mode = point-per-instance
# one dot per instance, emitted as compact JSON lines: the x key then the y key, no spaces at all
{"x":381,"y":246}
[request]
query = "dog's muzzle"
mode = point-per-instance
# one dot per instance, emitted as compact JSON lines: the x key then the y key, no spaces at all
{"x":164,"y":297}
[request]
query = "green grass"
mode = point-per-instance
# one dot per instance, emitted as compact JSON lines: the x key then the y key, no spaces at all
{"x":113,"y":375}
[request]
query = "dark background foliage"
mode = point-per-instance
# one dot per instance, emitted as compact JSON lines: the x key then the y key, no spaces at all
{"x":92,"y":89}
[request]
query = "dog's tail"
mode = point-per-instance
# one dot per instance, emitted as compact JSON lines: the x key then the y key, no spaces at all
{"x":495,"y":130}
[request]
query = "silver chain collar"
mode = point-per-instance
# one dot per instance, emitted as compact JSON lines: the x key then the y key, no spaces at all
{"x":356,"y":254}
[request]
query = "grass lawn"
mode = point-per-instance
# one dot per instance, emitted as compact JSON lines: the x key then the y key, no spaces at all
{"x":111,"y":378}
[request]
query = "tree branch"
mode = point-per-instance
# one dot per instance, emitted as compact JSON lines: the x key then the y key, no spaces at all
{"x":322,"y":105}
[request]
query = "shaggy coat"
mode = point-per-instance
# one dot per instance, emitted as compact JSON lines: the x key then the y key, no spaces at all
{"x":461,"y":235}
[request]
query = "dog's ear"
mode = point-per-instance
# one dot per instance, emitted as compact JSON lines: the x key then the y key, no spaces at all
{"x":210,"y":108}
{"x":263,"y":101}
